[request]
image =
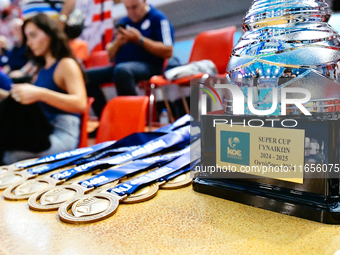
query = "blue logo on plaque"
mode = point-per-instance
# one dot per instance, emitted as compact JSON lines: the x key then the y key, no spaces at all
{"x":235,"y":147}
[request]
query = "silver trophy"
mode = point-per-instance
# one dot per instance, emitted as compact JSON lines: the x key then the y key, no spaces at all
{"x":288,"y":43}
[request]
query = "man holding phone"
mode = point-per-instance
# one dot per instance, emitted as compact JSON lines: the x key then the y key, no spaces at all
{"x":144,"y":39}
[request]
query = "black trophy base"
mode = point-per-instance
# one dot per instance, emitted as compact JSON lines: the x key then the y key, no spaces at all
{"x":242,"y":193}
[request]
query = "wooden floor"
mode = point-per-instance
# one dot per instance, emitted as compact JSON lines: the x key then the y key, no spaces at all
{"x":173,"y":222}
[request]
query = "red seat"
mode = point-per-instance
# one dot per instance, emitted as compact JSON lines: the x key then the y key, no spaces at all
{"x":215,"y":45}
{"x":99,"y":59}
{"x":122,"y":116}
{"x":84,"y":119}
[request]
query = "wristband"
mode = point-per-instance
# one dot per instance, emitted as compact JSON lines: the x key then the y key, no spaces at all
{"x":63,"y":18}
{"x":141,"y":40}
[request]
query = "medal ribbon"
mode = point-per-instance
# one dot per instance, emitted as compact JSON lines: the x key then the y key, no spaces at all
{"x":105,"y":154}
{"x":164,"y":142}
{"x":57,"y":156}
{"x":128,"y":143}
{"x":123,"y":142}
{"x":129,"y":187}
{"x":49,"y":167}
{"x":183,"y":121}
{"x":130,"y":168}
{"x":180,"y":163}
{"x":178,"y":173}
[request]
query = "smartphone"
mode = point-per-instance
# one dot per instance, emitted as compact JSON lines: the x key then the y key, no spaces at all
{"x":123,"y":25}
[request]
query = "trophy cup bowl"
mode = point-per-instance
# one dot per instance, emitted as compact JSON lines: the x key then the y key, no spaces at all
{"x":287,"y":44}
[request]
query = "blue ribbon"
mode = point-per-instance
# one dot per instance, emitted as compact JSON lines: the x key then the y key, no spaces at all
{"x":131,"y":186}
{"x":57,"y":156}
{"x":124,"y":144}
{"x":178,"y":173}
{"x":78,"y":160}
{"x":174,"y":175}
{"x":53,"y":166}
{"x":164,"y":142}
{"x":132,"y":141}
{"x":183,"y":121}
{"x":105,"y":154}
{"x":131,"y":168}
{"x":174,"y":138}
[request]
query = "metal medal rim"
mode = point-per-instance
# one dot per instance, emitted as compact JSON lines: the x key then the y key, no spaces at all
{"x":106,"y":186}
{"x":12,"y":167}
{"x":7,"y":169}
{"x":34,"y":205}
{"x":8,"y":193}
{"x":68,"y":218}
{"x":24,"y":177}
{"x":80,"y":190}
{"x":131,"y":199}
{"x":177,"y":185}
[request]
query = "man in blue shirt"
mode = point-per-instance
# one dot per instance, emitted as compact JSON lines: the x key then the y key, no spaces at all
{"x":5,"y":82}
{"x":144,"y":39}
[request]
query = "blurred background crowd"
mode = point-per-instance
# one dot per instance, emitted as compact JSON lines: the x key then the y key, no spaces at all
{"x":121,"y":47}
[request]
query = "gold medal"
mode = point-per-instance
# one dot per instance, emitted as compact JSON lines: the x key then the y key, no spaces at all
{"x":51,"y":198}
{"x":99,"y":206}
{"x":25,"y":190}
{"x":95,"y":207}
{"x":178,"y":182}
{"x":106,"y":186}
{"x":6,"y":169}
{"x":14,"y":178}
{"x":89,"y":208}
{"x":142,"y":194}
{"x":13,"y":167}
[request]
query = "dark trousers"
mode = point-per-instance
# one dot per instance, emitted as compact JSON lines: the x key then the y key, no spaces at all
{"x":124,"y":75}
